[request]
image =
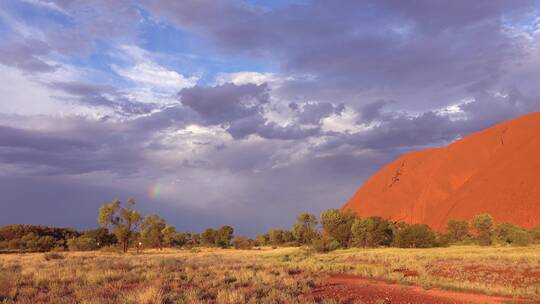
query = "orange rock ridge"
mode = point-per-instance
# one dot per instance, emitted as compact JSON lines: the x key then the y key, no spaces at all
{"x":496,"y":170}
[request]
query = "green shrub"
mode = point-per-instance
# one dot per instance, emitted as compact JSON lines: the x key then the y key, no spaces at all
{"x":242,"y":242}
{"x":324,"y":245}
{"x":535,"y":234}
{"x":415,"y":236}
{"x":457,"y":230}
{"x":82,"y":244}
{"x":521,"y":238}
{"x":483,"y":224}
{"x":372,"y":232}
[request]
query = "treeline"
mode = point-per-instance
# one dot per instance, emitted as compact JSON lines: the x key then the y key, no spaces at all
{"x":122,"y":227}
{"x":346,"y":230}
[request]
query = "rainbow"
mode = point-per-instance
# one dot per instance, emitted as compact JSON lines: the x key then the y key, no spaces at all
{"x":153,"y":191}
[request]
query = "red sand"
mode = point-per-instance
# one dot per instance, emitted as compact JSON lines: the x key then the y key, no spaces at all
{"x":496,"y":171}
{"x":354,"y":289}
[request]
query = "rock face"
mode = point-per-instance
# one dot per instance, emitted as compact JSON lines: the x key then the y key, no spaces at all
{"x":496,"y":170}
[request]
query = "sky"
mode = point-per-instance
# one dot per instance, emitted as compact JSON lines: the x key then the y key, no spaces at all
{"x":242,"y":112}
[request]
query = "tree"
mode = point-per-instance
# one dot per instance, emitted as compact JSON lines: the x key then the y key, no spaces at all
{"x":373,"y":231}
{"x":458,"y":230}
{"x":263,"y":239}
{"x":535,"y":234}
{"x":242,"y":242}
{"x":415,"y":236}
{"x":276,"y":237}
{"x":208,"y":237}
{"x":338,"y":225}
{"x":169,"y":236}
{"x":483,"y":225}
{"x":304,"y":229}
{"x":101,"y":237}
{"x":123,"y":221}
{"x":224,"y":236}
{"x":509,"y":234}
{"x":152,"y":231}
{"x":82,"y":243}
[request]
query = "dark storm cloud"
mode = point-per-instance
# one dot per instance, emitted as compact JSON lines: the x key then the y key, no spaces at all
{"x":263,"y":149}
{"x":84,"y":147}
{"x":239,"y":109}
{"x":312,"y":113}
{"x":225,"y":103}
{"x":390,"y":46}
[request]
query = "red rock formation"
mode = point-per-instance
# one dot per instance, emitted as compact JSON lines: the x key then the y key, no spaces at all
{"x":496,"y":170}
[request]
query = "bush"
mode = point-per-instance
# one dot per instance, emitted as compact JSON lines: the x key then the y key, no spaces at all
{"x":338,"y":225}
{"x":324,"y":245}
{"x":82,"y":244}
{"x":535,"y":234}
{"x":415,"y":236}
{"x":483,"y":224}
{"x":442,"y":240}
{"x":520,"y":238}
{"x":457,"y":230}
{"x":372,"y":232}
{"x":242,"y":242}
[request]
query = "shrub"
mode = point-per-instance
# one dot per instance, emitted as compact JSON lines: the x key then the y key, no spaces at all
{"x":371,"y":232}
{"x":415,"y":236}
{"x":304,"y":229}
{"x":521,"y":238}
{"x":483,"y":224}
{"x":338,"y":225}
{"x":457,"y":230}
{"x":535,"y":234}
{"x":324,"y":244}
{"x":242,"y":242}
{"x":442,"y":240}
{"x":82,"y":244}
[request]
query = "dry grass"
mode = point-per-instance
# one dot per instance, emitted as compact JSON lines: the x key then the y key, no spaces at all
{"x":507,"y":271}
{"x":266,"y":276}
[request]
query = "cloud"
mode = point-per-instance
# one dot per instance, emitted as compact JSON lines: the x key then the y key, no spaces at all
{"x":144,"y":71}
{"x":225,"y":103}
{"x":93,"y":108}
{"x":240,"y":78}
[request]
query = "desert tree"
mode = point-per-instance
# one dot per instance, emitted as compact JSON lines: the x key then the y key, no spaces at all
{"x":208,"y":237}
{"x":483,"y":225}
{"x":535,"y":234}
{"x":169,"y":235}
{"x":242,"y":242}
{"x":304,"y":230}
{"x":338,"y":225}
{"x":415,"y":236}
{"x":152,"y":231}
{"x":457,"y":230}
{"x":262,"y":239}
{"x":373,"y":231}
{"x":224,"y":236}
{"x":123,"y":221}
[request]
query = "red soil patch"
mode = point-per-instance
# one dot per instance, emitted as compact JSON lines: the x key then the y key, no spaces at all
{"x":511,"y":275}
{"x":355,"y":289}
{"x":494,"y":171}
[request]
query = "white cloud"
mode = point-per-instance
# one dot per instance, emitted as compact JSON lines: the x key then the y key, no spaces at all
{"x":345,"y":122}
{"x":148,"y":75}
{"x":152,"y":74}
{"x":240,"y":78}
{"x":29,"y":95}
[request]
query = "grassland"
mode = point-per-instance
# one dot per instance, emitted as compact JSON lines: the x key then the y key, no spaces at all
{"x":286,"y":275}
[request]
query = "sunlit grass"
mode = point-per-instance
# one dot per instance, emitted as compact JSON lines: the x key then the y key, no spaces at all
{"x":283,"y":275}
